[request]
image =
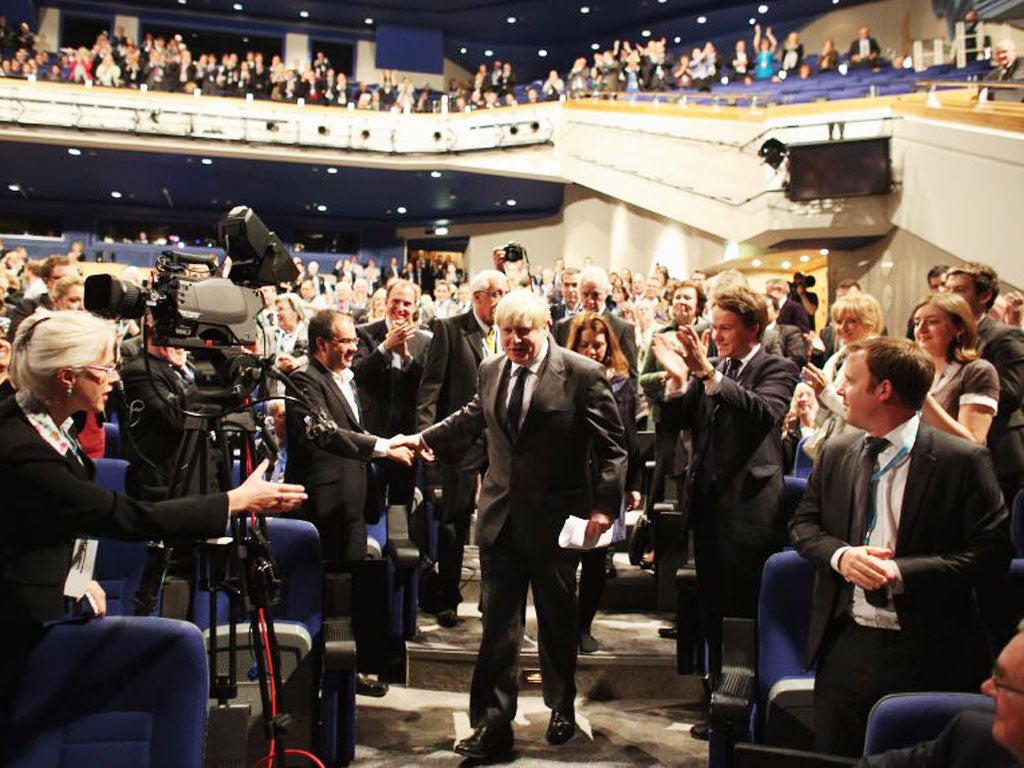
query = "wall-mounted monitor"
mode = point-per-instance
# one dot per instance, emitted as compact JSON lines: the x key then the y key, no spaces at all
{"x":839,"y":169}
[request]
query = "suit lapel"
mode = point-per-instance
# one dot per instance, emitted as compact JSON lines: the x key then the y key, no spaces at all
{"x":550,"y":376}
{"x":919,"y":475}
{"x":474,"y":336}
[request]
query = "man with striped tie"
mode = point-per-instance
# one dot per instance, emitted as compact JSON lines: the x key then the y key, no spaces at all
{"x":459,"y":344}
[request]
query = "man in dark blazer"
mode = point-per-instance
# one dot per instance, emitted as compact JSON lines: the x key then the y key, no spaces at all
{"x":555,"y":448}
{"x":568,"y":302}
{"x":594,"y":290}
{"x":783,"y":340}
{"x":972,"y":738}
{"x":387,"y":367}
{"x":448,"y":383}
{"x":1003,"y":346}
{"x":734,"y":490}
{"x":902,"y":525}
{"x":865,"y":51}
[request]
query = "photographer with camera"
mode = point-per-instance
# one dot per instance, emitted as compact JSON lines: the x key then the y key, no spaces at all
{"x":789,"y":301}
{"x":65,"y":362}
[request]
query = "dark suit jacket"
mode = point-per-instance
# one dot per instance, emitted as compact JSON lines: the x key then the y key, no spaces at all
{"x":545,"y":475}
{"x":966,"y":742}
{"x":336,"y":468}
{"x":793,"y":312}
{"x":785,"y":341}
{"x":650,"y":375}
{"x":624,"y":334}
{"x":1003,"y":346}
{"x":387,"y":398}
{"x":873,"y":47}
{"x":953,"y":535}
{"x":50,"y":499}
{"x":741,"y":422}
{"x":449,"y":376}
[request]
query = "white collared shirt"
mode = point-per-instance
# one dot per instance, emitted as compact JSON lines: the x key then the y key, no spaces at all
{"x":529,"y":385}
{"x":713,"y":382}
{"x":343,"y":379}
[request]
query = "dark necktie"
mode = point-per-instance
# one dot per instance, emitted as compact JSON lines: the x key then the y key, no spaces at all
{"x":515,"y":402}
{"x":732,"y":368}
{"x":873,"y":447}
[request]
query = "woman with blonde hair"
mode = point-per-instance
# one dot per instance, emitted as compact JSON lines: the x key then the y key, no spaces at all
{"x":964,"y":396}
{"x":69,"y":293}
{"x":856,"y":316}
{"x":378,"y":306}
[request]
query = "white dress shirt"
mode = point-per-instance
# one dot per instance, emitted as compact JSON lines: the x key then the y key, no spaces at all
{"x":529,"y":385}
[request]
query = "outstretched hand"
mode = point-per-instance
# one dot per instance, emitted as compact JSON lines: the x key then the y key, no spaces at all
{"x":413,"y":444}
{"x":259,"y":495}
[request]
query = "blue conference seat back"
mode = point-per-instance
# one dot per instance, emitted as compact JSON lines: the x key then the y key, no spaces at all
{"x":793,"y":492}
{"x":295,"y":549}
{"x":112,"y":691}
{"x":111,"y":440}
{"x":119,"y":569}
{"x":904,"y":719}
{"x":1017,"y":523}
{"x":111,"y":474}
{"x":783,"y":618}
{"x":802,"y":463}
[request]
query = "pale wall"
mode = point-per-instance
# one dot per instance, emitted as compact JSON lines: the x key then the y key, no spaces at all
{"x":894,"y":23}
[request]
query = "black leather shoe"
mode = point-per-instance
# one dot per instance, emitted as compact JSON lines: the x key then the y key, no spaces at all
{"x":587,"y":643}
{"x":561,"y":728}
{"x":366,"y":686}
{"x":487,"y":743}
{"x":668,"y":633}
{"x":447,"y":619}
{"x":700,"y":730}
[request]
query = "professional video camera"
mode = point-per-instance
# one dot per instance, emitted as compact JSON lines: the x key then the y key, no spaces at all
{"x":211,"y":311}
{"x":514,"y":252}
{"x":801,"y":280}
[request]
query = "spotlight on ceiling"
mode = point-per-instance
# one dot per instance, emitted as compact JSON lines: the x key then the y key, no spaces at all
{"x":773,"y":152}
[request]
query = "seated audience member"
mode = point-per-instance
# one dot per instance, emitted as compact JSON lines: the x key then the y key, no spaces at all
{"x":799,"y":422}
{"x":1002,"y":346}
{"x":65,"y":362}
{"x":291,"y":336}
{"x":592,"y":336}
{"x":865,"y":51}
{"x":901,"y":525}
{"x":553,"y":87}
{"x":857,"y":317}
{"x":1007,"y":67}
{"x":740,"y":62}
{"x":976,"y":739}
{"x":964,"y":397}
{"x":828,"y":59}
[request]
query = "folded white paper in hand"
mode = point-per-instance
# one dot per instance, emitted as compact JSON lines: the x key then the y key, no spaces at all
{"x":574,"y":535}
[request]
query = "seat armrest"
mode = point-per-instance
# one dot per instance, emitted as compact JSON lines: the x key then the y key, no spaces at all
{"x":339,"y":644}
{"x":732,"y":698}
{"x":400,"y":547}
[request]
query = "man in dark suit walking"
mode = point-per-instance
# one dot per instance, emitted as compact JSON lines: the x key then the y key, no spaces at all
{"x":555,"y":448}
{"x":1003,"y":346}
{"x":448,"y":383}
{"x":902,"y":525}
{"x":387,"y":367}
{"x":734,"y":487}
{"x":594,"y":290}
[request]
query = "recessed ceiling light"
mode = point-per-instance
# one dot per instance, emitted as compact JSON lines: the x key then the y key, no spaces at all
{"x":702,"y":19}
{"x":595,"y":46}
{"x":804,"y":259}
{"x":762,"y":8}
{"x":511,"y":203}
{"x":368,"y":21}
{"x":74,"y":151}
{"x":488,"y":53}
{"x":182,"y":2}
{"x":206,"y":161}
{"x":786,"y":264}
{"x":332,"y":170}
{"x":511,"y":19}
{"x":835,"y":2}
{"x":751,"y":21}
{"x":14,"y":187}
{"x":402,"y":209}
{"x":645,"y":33}
{"x":584,"y":9}
{"x":823,"y":251}
{"x":435,"y":174}
{"x":321,"y":207}
{"x":303,"y":14}
{"x":440,"y":230}
{"x":756,"y":263}
{"x":662,"y":2}
{"x":237,"y":6}
{"x":542,"y":52}
{"x":462,"y":50}
{"x":677,"y":39}
{"x":116,"y":195}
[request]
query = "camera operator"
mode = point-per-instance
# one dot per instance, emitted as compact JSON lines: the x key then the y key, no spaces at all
{"x":65,"y":362}
{"x":154,"y":388}
{"x":789,"y":301}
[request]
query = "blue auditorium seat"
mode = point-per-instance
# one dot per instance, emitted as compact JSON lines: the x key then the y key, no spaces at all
{"x":802,"y":463}
{"x":904,"y":719}
{"x":1017,"y":523}
{"x":111,"y":440}
{"x":112,"y":692}
{"x":119,"y":568}
{"x":794,"y":492}
{"x":111,"y":473}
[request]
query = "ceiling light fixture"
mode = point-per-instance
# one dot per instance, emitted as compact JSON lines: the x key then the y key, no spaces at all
{"x":756,"y":263}
{"x":488,"y":53}
{"x":511,"y":203}
{"x":14,"y":187}
{"x":321,"y":207}
{"x":645,"y":33}
{"x":823,"y":251}
{"x":440,"y":230}
{"x":804,"y":259}
{"x":435,"y":174}
{"x":116,"y":195}
{"x":303,"y":14}
{"x":751,"y":21}
{"x":462,"y":50}
{"x":595,"y":46}
{"x":584,"y":9}
{"x":206,"y":161}
{"x":542,"y":53}
{"x":786,"y":265}
{"x":677,"y":39}
{"x":402,"y":209}
{"x":511,"y":19}
{"x":332,"y":171}
{"x":762,"y":8}
{"x":367,"y":21}
{"x":74,"y":151}
{"x":237,"y":6}
{"x":702,"y":19}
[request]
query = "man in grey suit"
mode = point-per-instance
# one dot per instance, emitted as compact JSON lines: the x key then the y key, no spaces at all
{"x":594,"y":289}
{"x":449,"y":379}
{"x":555,"y":448}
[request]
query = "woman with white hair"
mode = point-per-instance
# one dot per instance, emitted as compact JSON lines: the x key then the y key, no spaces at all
{"x":65,"y":362}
